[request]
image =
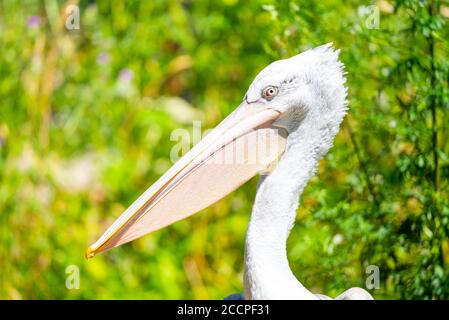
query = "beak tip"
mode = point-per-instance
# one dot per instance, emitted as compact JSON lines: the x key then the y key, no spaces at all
{"x":90,"y":253}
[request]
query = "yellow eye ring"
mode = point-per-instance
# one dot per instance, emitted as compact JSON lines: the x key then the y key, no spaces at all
{"x":270,"y":92}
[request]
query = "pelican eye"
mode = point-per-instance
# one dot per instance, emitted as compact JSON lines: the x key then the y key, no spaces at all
{"x":270,"y":92}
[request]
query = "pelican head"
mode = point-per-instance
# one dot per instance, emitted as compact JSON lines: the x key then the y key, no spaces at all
{"x":308,"y":85}
{"x":286,"y":122}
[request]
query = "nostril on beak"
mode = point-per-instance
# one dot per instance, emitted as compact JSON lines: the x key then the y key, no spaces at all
{"x":246,"y":99}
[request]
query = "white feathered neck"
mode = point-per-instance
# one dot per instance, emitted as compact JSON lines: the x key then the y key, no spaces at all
{"x":312,"y":117}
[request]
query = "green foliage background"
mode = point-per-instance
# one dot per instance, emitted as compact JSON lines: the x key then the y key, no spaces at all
{"x":85,"y":123}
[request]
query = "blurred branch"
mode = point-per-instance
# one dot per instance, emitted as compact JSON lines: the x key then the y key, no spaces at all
{"x":362,"y":165}
{"x":433,"y":104}
{"x":433,"y":108}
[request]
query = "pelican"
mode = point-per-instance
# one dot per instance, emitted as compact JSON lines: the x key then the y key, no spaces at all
{"x":285,"y":124}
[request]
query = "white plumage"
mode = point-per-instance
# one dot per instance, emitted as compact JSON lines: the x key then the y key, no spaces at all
{"x":312,"y":99}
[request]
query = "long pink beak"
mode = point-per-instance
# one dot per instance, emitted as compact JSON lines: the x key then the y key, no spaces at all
{"x":242,"y":145}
